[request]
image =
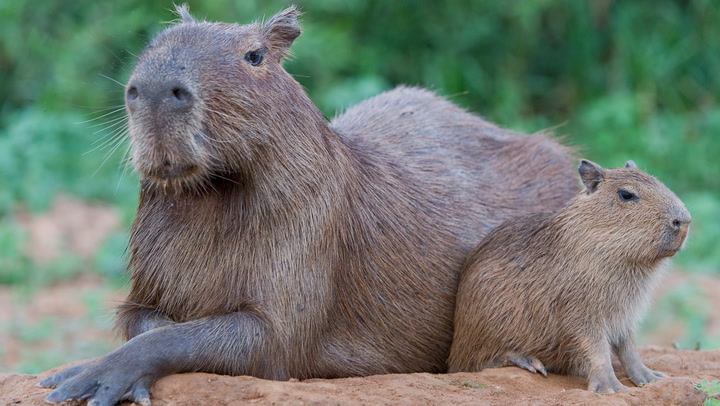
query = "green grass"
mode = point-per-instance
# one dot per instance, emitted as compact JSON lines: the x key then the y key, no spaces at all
{"x":470,"y":384}
{"x":712,"y":389}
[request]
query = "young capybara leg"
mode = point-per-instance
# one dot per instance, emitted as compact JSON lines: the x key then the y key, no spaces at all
{"x":630,"y":359}
{"x":512,"y":358}
{"x":601,"y":376}
{"x":223,"y":343}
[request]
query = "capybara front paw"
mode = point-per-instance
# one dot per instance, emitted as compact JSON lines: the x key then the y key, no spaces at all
{"x":98,"y":383}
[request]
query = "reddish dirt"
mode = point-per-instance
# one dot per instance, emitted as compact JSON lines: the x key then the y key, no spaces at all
{"x":502,"y":386}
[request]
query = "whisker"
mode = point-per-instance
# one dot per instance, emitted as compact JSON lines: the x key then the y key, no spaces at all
{"x":109,"y":127}
{"x":110,"y":134}
{"x":111,"y":79}
{"x":110,"y":138}
{"x":124,"y":161}
{"x":113,"y":107}
{"x":108,"y":122}
{"x":210,"y":139}
{"x":223,"y":114}
{"x":116,"y":109}
{"x":463,"y":93}
{"x":118,"y":139}
{"x":110,"y":153}
{"x":227,"y":179}
{"x":207,"y":185}
{"x":117,"y":135}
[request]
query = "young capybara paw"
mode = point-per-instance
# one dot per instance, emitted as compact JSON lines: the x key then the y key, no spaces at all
{"x":604,"y":383}
{"x":645,"y":376}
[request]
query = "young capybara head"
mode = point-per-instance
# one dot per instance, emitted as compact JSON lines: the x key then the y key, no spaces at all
{"x":204,"y":97}
{"x":631,"y":214}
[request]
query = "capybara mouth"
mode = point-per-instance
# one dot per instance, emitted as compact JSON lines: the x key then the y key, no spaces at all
{"x":668,"y":252}
{"x":674,"y":241}
{"x":670,"y":249}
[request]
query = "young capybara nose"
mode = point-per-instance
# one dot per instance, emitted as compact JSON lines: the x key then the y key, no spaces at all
{"x":680,"y":218}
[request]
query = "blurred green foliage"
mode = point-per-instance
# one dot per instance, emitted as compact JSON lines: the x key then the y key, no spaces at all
{"x":48,"y":341}
{"x":623,"y":79}
{"x":712,"y":389}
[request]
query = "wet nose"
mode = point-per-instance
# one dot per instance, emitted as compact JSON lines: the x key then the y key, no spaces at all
{"x":170,"y":96}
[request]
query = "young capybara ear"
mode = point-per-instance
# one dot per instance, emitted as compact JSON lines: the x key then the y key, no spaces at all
{"x":630,"y":164}
{"x":183,"y":11}
{"x":281,"y":30}
{"x":591,"y":174}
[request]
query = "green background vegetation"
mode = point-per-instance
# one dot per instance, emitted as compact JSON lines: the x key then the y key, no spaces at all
{"x":621,"y":80}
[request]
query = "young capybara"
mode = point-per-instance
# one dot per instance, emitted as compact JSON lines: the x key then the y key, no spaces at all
{"x":562,"y":291}
{"x":272,"y":243}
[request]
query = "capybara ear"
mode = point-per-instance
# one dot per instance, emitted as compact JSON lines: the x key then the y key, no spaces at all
{"x":630,"y":164}
{"x":591,"y":174}
{"x":183,"y":11}
{"x":281,"y":30}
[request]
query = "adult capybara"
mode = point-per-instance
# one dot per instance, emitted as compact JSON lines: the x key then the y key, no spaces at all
{"x":271,"y":243}
{"x":562,"y":291}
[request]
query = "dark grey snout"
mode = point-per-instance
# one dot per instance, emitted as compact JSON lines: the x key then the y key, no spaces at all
{"x":680,"y":218}
{"x":165,"y":97}
{"x":676,"y":231}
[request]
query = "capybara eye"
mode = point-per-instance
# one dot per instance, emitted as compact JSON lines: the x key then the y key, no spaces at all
{"x":626,"y":196}
{"x":254,"y":57}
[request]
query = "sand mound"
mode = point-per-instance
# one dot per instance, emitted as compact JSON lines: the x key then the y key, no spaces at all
{"x":502,"y":386}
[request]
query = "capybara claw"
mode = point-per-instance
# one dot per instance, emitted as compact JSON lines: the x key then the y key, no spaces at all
{"x":531,"y":364}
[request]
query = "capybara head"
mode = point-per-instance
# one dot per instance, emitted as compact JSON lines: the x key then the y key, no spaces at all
{"x":204,"y":97}
{"x":630,"y":213}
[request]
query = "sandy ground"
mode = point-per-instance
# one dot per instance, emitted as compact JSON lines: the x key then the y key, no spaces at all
{"x":501,"y":386}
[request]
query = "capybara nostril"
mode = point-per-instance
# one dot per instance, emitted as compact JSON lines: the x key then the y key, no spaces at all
{"x":132,"y":93}
{"x":680,"y":216}
{"x":181,"y":94}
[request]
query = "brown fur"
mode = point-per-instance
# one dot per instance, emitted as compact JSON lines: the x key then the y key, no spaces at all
{"x":268,"y":242}
{"x":559,"y":291}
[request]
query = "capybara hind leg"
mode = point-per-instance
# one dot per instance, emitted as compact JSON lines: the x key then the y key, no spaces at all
{"x":532,"y":364}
